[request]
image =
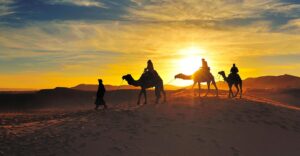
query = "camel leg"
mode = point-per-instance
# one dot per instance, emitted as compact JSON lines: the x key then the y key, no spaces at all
{"x":164,"y":93}
{"x":230,"y":91}
{"x":237,"y":90}
{"x":145,"y":95}
{"x":139,"y":98}
{"x":208,"y":88}
{"x":199,"y":88}
{"x":241,"y":90}
{"x":194,"y":89}
{"x":215,"y":85}
{"x":157,"y":93}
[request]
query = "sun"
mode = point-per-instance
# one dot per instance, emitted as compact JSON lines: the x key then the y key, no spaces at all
{"x":189,"y":65}
{"x":191,"y":59}
{"x":189,"y":62}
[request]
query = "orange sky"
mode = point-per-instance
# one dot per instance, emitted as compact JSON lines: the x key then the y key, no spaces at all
{"x":56,"y":49}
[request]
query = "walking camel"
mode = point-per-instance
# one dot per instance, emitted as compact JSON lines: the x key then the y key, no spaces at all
{"x":144,"y":83}
{"x":233,"y":80}
{"x":199,"y":77}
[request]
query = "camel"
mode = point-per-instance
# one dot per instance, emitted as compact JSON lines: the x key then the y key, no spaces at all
{"x":198,"y":77}
{"x":233,"y":80}
{"x":144,"y":84}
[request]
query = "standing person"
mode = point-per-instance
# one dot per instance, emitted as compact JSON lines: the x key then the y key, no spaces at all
{"x":100,"y":95}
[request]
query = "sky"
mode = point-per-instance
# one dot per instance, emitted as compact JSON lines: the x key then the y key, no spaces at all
{"x":49,"y":43}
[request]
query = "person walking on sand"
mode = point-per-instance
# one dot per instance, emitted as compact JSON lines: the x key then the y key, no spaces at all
{"x":100,"y":95}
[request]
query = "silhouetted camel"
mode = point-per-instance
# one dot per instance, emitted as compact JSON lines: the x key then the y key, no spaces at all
{"x":198,"y":77}
{"x":144,"y":84}
{"x":233,"y":80}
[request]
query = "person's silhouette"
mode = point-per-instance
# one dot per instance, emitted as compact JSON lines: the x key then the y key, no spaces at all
{"x":205,"y":69}
{"x":234,"y":69}
{"x":150,"y":67}
{"x":100,"y":95}
{"x":204,"y":64}
{"x":149,"y":71}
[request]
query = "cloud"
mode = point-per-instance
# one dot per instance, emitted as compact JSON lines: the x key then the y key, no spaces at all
{"x":6,"y":7}
{"x":149,"y":29}
{"x":293,"y":26}
{"x":85,"y":3}
{"x":178,"y":10}
{"x":138,"y":41}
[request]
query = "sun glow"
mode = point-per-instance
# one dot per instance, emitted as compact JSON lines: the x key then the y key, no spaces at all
{"x":189,"y":65}
{"x":189,"y":62}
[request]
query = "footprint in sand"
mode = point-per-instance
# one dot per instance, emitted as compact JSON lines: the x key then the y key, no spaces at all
{"x":267,"y":122}
{"x":216,"y":143}
{"x":296,"y":129}
{"x":235,"y":151}
{"x":115,"y":150}
{"x":283,"y":126}
{"x":201,"y":140}
{"x":178,"y":135}
{"x":82,"y":145}
{"x":146,"y":120}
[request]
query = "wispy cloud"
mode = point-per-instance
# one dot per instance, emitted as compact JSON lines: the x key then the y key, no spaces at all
{"x":6,"y":7}
{"x":179,"y":10}
{"x":143,"y":40}
{"x":86,"y":3}
{"x":292,"y":26}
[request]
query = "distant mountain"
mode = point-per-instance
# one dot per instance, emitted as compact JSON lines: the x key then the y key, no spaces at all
{"x":273,"y":82}
{"x":263,"y":82}
{"x":17,"y":89}
{"x":94,"y":87}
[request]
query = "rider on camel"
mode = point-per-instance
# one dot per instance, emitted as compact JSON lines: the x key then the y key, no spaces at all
{"x":234,"y":72}
{"x":205,"y":67}
{"x":149,"y":71}
{"x":150,"y":67}
{"x":234,"y":69}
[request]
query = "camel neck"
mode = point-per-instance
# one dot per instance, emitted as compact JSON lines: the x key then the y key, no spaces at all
{"x":224,"y":77}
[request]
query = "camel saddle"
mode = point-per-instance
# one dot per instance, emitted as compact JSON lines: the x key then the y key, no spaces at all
{"x":150,"y":76}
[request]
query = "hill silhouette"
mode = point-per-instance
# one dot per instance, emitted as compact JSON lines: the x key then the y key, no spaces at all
{"x":264,"y":82}
{"x":94,"y":87}
{"x":283,"y":88}
{"x":273,"y":82}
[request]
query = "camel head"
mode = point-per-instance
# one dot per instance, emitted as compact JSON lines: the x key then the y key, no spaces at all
{"x":182,"y":76}
{"x":127,"y":77}
{"x":130,"y":80}
{"x":222,"y":73}
{"x":178,"y":75}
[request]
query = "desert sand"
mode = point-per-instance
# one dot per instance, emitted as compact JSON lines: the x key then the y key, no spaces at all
{"x":184,"y":126}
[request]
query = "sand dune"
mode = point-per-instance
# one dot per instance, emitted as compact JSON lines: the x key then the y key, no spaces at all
{"x":185,"y":125}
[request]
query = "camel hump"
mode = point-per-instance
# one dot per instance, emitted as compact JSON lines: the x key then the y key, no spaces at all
{"x":234,"y":76}
{"x":151,"y":76}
